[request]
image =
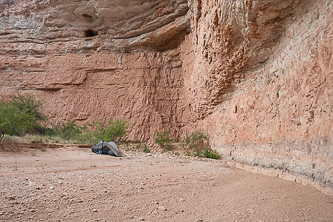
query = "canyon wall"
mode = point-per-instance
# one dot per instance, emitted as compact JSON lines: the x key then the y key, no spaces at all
{"x":255,"y":75}
{"x":258,"y":76}
{"x":91,"y":60}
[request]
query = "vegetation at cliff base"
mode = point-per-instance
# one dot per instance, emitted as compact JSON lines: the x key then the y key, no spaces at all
{"x":196,"y":144}
{"x":113,"y":130}
{"x":209,"y":153}
{"x":20,"y":115}
{"x":146,"y":149}
{"x":164,"y":139}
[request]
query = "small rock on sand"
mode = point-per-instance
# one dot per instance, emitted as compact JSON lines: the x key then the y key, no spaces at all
{"x":162,"y":208}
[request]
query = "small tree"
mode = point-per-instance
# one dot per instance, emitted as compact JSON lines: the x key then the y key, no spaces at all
{"x":14,"y":121}
{"x":20,"y":115}
{"x":29,"y":104}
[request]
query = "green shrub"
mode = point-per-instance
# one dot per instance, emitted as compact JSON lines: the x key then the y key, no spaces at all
{"x":195,"y":140}
{"x":113,"y":131}
{"x":20,"y":115}
{"x":209,"y":153}
{"x":55,"y":139}
{"x":37,"y":139}
{"x":88,"y":138}
{"x":146,"y":149}
{"x":14,"y":121}
{"x":28,"y":104}
{"x":198,"y":142}
{"x":9,"y":139}
{"x":89,"y":133}
{"x":197,"y":152}
{"x":67,"y":131}
{"x":138,"y":146}
{"x":164,"y":140}
{"x":188,"y":153}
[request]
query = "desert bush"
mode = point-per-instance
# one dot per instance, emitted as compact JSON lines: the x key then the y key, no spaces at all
{"x":37,"y":139}
{"x":187,"y":153}
{"x":29,"y":104}
{"x":87,"y":138}
{"x":209,"y":153}
{"x":113,"y":131}
{"x":138,"y":146}
{"x":20,"y":115}
{"x":32,"y":106}
{"x":13,"y":121}
{"x":56,"y":139}
{"x":9,"y":139}
{"x":88,"y":133}
{"x":164,"y":140}
{"x":196,"y":140}
{"x":197,"y":152}
{"x":146,"y":149}
{"x":195,"y":143}
{"x":67,"y":131}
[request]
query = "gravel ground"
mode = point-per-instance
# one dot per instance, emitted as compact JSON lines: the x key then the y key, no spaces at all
{"x":72,"y":184}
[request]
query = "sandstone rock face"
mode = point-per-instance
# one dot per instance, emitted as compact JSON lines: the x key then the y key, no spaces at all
{"x":114,"y":24}
{"x":259,"y":76}
{"x":91,"y":60}
{"x":256,"y":75}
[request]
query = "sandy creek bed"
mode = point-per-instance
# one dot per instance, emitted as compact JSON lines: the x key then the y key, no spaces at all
{"x":71,"y":184}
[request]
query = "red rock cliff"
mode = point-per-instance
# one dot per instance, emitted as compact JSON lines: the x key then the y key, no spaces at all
{"x":256,"y":75}
{"x":89,"y":60}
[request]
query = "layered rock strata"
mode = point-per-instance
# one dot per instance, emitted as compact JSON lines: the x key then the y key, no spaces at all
{"x":91,"y":60}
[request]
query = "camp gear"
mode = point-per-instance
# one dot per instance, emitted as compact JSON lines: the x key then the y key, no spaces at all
{"x":107,"y":148}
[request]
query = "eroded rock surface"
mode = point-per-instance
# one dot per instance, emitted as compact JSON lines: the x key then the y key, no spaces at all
{"x":260,"y":78}
{"x":256,"y":75}
{"x":89,"y":60}
{"x":107,"y":25}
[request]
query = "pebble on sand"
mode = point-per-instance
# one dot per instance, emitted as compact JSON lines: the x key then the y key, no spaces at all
{"x":162,"y":208}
